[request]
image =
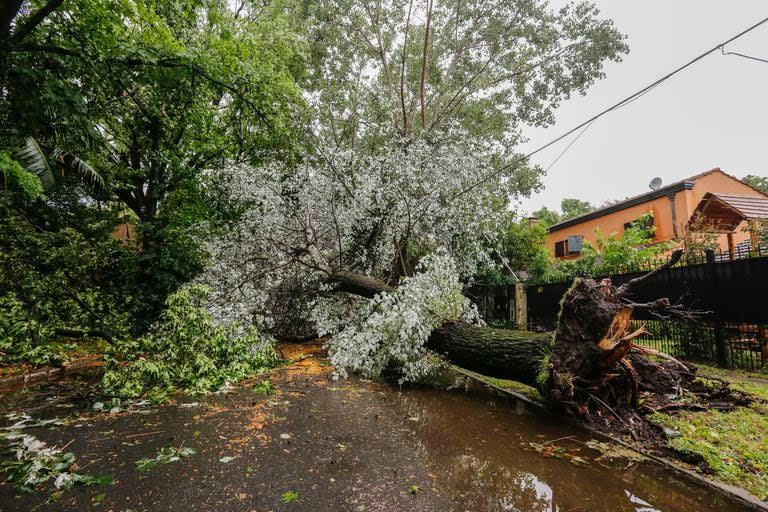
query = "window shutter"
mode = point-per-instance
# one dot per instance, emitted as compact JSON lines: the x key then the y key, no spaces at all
{"x":575,"y":243}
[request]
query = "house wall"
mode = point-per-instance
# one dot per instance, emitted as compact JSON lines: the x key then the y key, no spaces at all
{"x":660,"y":208}
{"x":684,"y":204}
{"x":125,"y":232}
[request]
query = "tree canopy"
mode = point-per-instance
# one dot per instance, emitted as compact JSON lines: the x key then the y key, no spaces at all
{"x":569,"y":208}
{"x":263,"y":147}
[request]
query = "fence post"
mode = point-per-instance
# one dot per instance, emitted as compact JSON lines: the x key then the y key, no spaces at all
{"x":521,"y":306}
{"x":721,"y":351}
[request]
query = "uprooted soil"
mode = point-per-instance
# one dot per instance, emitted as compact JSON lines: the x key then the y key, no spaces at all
{"x":663,"y":387}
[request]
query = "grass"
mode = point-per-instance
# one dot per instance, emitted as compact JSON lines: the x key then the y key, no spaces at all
{"x":733,"y":443}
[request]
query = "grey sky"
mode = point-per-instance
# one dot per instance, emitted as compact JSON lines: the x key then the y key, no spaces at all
{"x":714,"y":114}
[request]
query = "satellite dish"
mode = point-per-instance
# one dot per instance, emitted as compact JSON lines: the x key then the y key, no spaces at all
{"x":655,"y":184}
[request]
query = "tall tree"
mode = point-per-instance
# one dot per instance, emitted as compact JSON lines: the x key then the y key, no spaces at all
{"x":421,"y":67}
{"x":571,"y":208}
{"x":150,"y":93}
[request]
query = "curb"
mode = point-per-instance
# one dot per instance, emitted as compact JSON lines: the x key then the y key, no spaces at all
{"x":734,"y":493}
{"x":21,"y":381}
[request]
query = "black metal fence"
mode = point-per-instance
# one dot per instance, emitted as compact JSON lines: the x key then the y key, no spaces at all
{"x":496,"y":304}
{"x":745,"y":345}
{"x":730,"y":294}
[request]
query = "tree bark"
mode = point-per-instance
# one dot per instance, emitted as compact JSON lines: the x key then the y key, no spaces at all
{"x":359,"y":284}
{"x":585,"y":362}
{"x":500,"y":353}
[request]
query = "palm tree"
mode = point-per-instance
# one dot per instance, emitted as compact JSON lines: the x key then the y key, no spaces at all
{"x":34,"y":160}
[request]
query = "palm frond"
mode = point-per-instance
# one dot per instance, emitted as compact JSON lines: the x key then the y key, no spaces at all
{"x":83,"y":169}
{"x":32,"y":158}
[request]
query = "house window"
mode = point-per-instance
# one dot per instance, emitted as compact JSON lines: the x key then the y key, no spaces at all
{"x":645,"y":222}
{"x":570,"y":246}
{"x":560,"y":248}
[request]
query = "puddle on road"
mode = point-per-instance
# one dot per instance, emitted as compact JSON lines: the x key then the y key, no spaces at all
{"x":482,"y":455}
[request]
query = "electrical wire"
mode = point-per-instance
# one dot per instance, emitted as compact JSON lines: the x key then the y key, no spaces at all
{"x":568,"y":147}
{"x":622,"y":103}
{"x":750,"y":57}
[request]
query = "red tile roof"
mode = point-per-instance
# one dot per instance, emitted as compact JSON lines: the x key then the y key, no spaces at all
{"x":750,"y":207}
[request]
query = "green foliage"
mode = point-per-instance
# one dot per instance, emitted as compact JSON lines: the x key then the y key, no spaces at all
{"x":22,"y":337}
{"x":700,"y":235}
{"x":55,"y":276}
{"x":187,"y":350}
{"x":629,"y":250}
{"x":166,"y":455}
{"x":733,"y":443}
{"x":264,"y":387}
{"x":33,"y":160}
{"x":15,"y":176}
{"x":571,"y":208}
{"x":522,"y":248}
{"x":611,"y":254}
{"x":760,"y":229}
{"x":547,"y":216}
{"x":125,"y":105}
{"x":759,"y":182}
{"x":482,"y":74}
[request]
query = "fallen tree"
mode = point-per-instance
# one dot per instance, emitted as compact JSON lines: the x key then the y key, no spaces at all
{"x":591,"y":367}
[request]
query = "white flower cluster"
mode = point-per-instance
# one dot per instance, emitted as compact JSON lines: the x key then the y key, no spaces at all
{"x":394,"y":327}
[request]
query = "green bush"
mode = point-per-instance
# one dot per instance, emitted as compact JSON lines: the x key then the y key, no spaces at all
{"x":22,"y":337}
{"x":187,"y":350}
{"x":62,"y":277}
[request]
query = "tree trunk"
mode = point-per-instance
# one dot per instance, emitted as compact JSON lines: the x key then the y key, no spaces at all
{"x":359,"y":284}
{"x":586,"y":364}
{"x":501,"y":353}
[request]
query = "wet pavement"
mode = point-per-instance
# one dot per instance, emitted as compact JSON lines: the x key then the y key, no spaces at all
{"x":352,"y":446}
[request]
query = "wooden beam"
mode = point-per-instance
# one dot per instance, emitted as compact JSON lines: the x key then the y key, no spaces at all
{"x":731,"y":247}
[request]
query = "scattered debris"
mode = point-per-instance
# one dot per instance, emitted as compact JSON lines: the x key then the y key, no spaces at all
{"x":613,"y":451}
{"x":166,"y":455}
{"x":36,"y":463}
{"x":264,"y":387}
{"x":26,"y":421}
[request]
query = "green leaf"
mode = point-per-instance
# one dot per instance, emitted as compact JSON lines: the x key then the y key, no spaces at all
{"x":32,"y":158}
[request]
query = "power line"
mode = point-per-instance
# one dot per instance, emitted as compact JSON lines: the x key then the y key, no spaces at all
{"x":618,"y":105}
{"x":750,"y":57}
{"x":564,"y":151}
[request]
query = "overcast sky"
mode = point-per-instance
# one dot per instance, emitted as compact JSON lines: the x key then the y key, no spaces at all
{"x":713,"y":114}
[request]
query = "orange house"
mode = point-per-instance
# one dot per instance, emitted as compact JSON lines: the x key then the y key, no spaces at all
{"x":670,"y":207}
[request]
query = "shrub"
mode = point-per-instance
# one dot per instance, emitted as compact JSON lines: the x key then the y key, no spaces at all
{"x":22,"y":337}
{"x":187,"y":350}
